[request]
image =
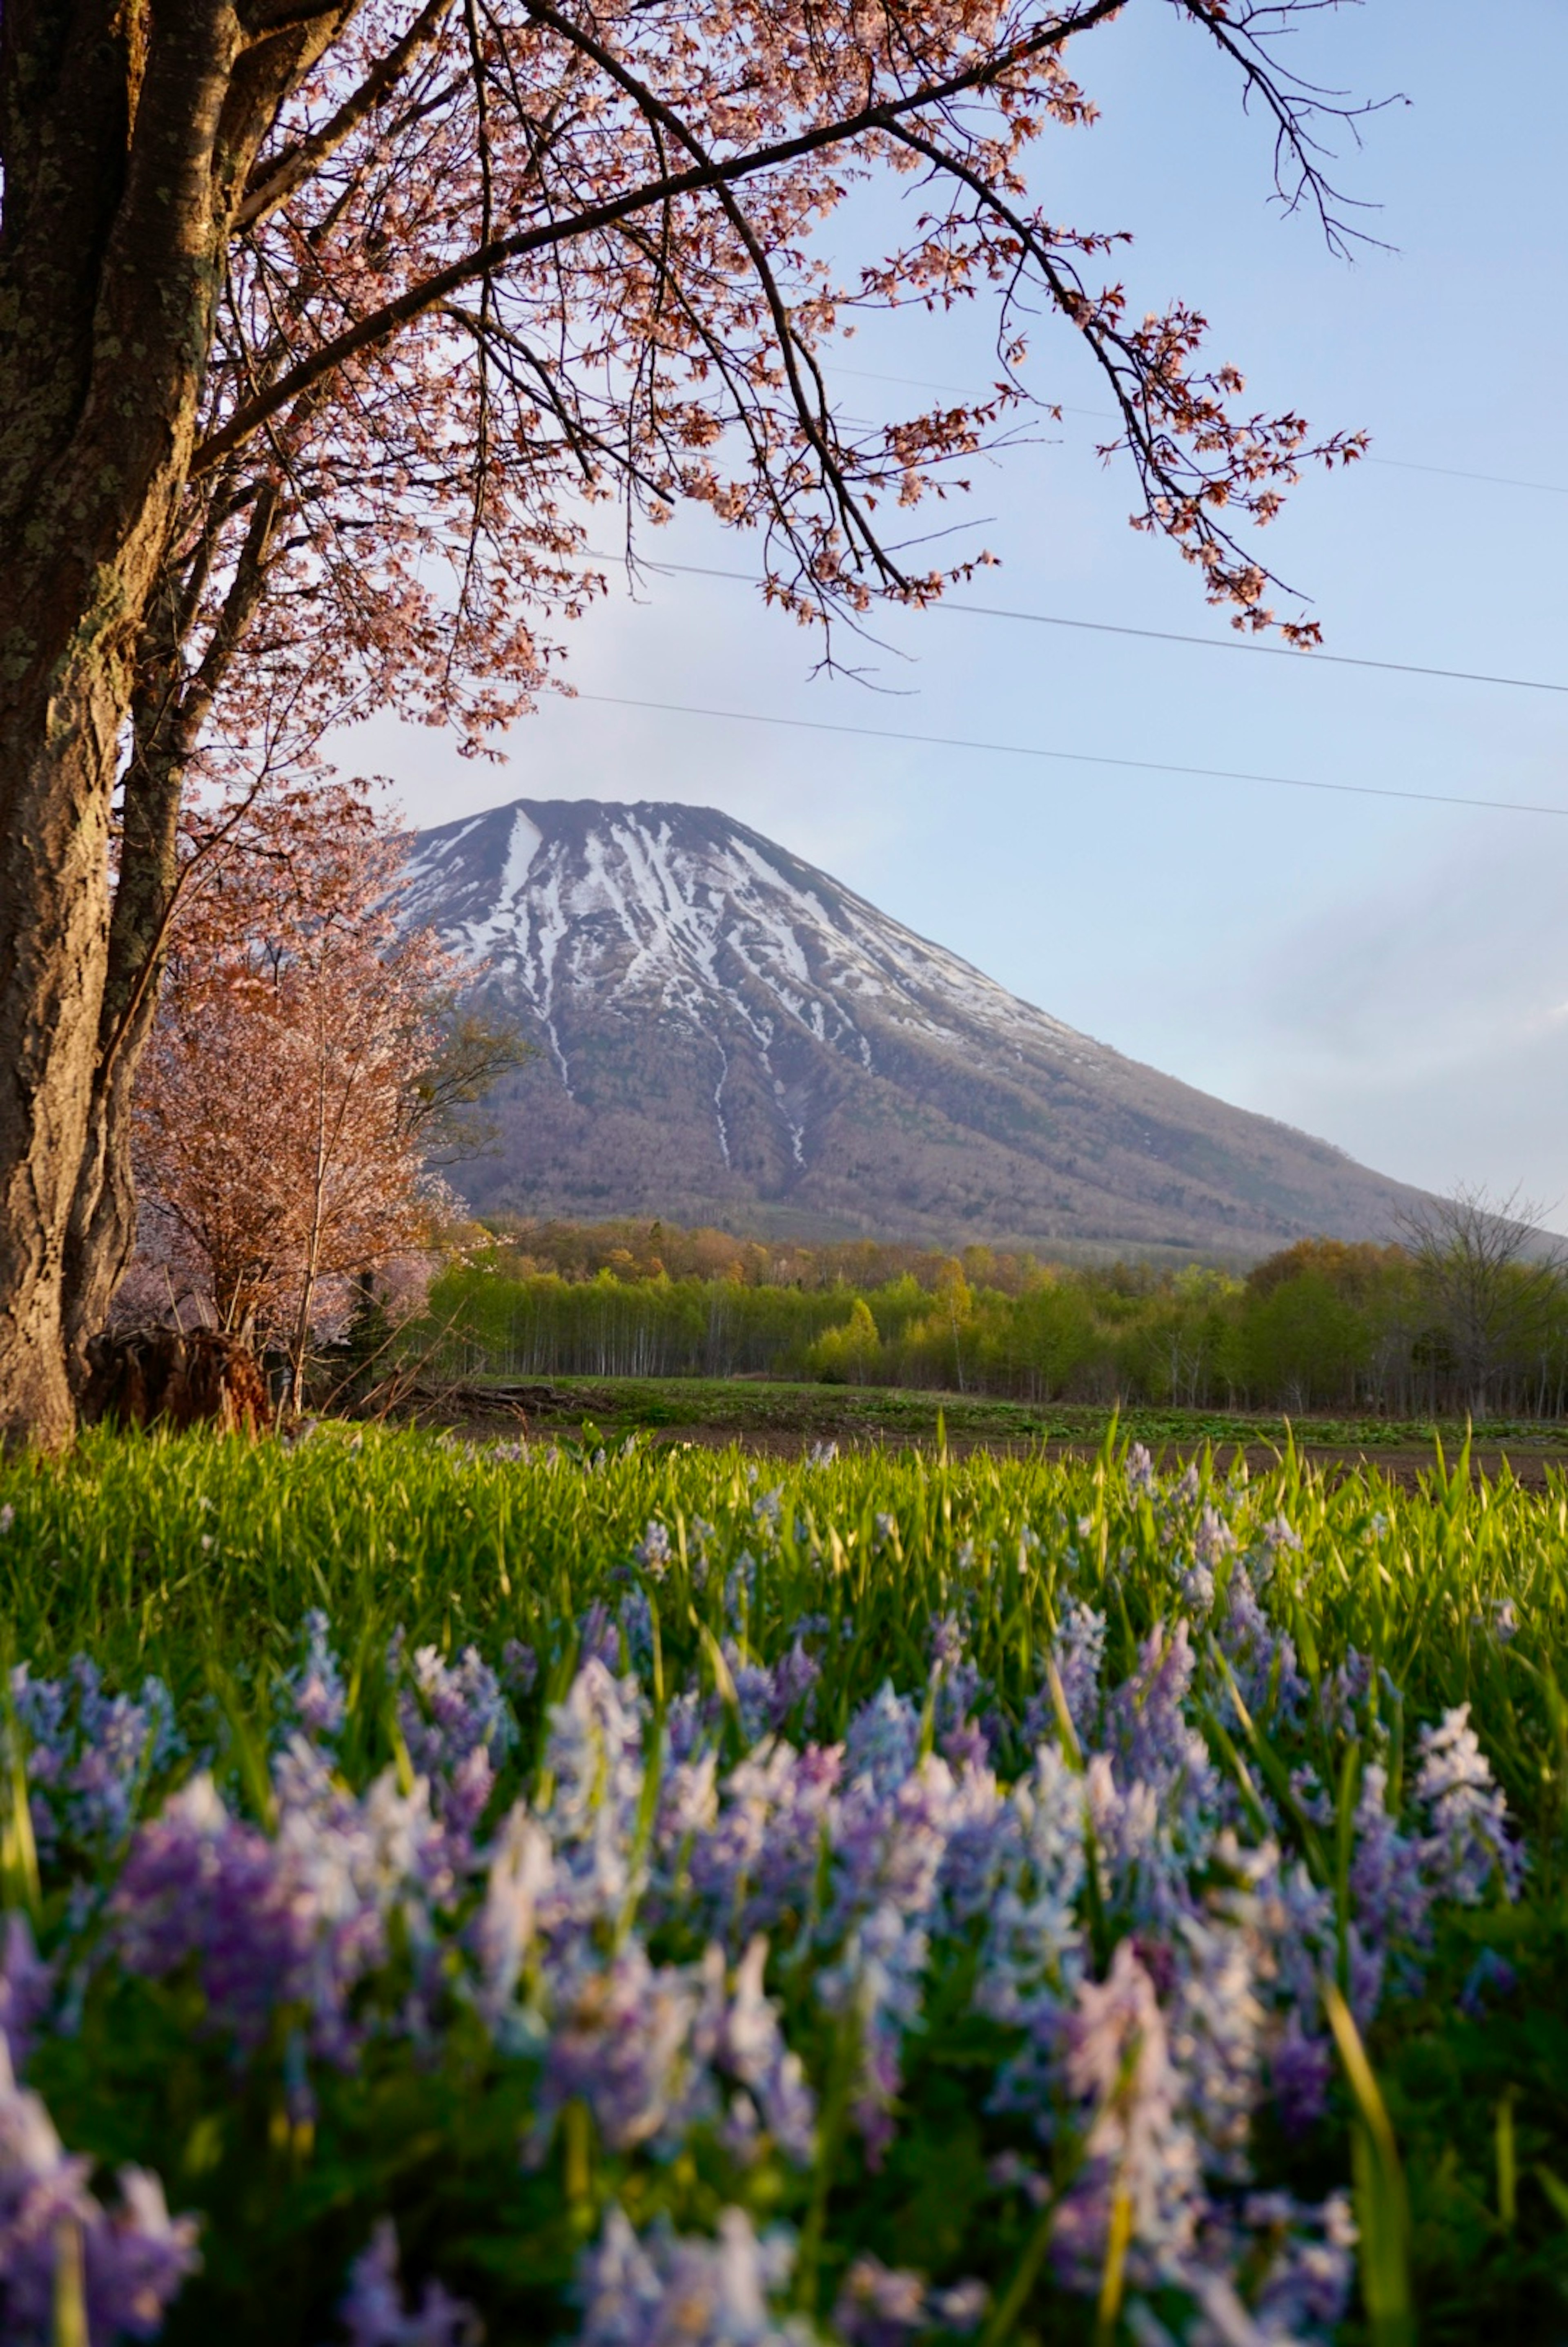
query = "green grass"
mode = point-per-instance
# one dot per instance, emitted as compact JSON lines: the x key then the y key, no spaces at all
{"x":783,"y":1411}
{"x":187,"y":1555}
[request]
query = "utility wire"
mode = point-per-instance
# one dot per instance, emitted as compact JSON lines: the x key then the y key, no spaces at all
{"x":1104,"y":415}
{"x":1069,"y":757}
{"x":1149,"y":635}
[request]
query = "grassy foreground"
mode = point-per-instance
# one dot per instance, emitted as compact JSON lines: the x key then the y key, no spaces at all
{"x":1149,"y":1838}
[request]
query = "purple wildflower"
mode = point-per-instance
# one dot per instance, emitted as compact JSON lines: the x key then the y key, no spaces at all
{"x":1490,"y":1973}
{"x":594,"y":1759}
{"x":969,"y":1745}
{"x":669,"y":2288}
{"x":766,"y":1696}
{"x":1300,"y":2070}
{"x":1032,"y":1941}
{"x":653,"y":1550}
{"x":1342,"y":1691}
{"x":878,"y":2305}
{"x":26,"y":1987}
{"x":1468,"y":1842}
{"x":599,"y":1636}
{"x":878,"y":1978}
{"x":959,"y":2307}
{"x":299,"y":1919}
{"x":1300,"y":2266}
{"x":1216,"y":2023}
{"x":1152,"y":1740}
{"x":884,"y":1740}
{"x":374,"y":2312}
{"x":1262,"y":1657}
{"x":457,"y":1728}
{"x":957,"y":1685}
{"x":316,"y":1687}
{"x":1079,"y":1654}
{"x":1307,"y":2286}
{"x":1117,"y":2061}
{"x":761,"y":1858}
{"x":502,"y":1931}
{"x":134,"y":2256}
{"x":519,"y":1667}
{"x":635,"y":1621}
{"x":1279,"y":1535}
{"x":1139,"y":1470}
{"x":751,"y":2050}
{"x":89,"y":1754}
{"x":1154,"y":1797}
{"x":621,"y":2042}
{"x":1388,"y":1884}
{"x":884,"y":2306}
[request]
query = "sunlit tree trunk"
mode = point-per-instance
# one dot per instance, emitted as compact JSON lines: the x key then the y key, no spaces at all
{"x":168,"y":711}
{"x":125,"y":133}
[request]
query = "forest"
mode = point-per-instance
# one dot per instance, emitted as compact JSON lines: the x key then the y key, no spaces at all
{"x":1466,"y":1310}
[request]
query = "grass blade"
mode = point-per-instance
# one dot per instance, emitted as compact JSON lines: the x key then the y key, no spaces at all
{"x":1382,"y":2209}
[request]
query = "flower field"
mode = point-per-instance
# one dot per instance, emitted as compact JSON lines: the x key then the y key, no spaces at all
{"x":655,"y":1897}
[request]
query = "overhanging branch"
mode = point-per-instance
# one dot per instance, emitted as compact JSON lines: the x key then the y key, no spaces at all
{"x":382,"y":325}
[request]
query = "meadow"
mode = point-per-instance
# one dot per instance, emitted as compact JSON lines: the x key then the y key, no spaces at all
{"x":784,"y":1416}
{"x":647,"y":1895}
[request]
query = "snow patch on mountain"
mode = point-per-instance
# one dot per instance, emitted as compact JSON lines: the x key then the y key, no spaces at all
{"x":683,"y":913}
{"x":725,"y":1032}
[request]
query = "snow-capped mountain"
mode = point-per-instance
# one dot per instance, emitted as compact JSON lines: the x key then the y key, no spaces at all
{"x":727,"y":1034}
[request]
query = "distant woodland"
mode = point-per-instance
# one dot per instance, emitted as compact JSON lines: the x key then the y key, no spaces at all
{"x":1468,"y":1310}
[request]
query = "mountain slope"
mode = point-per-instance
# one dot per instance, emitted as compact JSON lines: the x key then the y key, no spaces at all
{"x":727,"y":1034}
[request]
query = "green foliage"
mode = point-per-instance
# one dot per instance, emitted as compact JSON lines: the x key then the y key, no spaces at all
{"x":1320,"y":1327}
{"x":197,"y":1558}
{"x":848,"y":1355}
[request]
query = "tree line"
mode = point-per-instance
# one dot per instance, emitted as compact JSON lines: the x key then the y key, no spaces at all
{"x":1466,"y":1311}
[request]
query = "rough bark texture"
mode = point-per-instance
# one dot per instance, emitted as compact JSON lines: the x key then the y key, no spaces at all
{"x":169,"y":712}
{"x":102,"y":1227}
{"x":125,"y":132}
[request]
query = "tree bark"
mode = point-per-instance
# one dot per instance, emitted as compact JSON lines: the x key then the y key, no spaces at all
{"x":169,"y":709}
{"x":101,"y":1231}
{"x":126,"y":131}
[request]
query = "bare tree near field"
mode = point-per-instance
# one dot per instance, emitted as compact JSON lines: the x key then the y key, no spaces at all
{"x":327,"y":324}
{"x":1489,"y":1273}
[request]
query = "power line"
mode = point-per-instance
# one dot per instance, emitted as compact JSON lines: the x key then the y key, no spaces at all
{"x":1069,"y":757}
{"x":1104,"y":416}
{"x":1153,"y":635}
{"x":1457,"y":473}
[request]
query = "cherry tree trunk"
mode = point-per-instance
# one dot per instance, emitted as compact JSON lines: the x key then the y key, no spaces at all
{"x":102,"y":1224}
{"x":124,"y":132}
{"x":57,"y":767}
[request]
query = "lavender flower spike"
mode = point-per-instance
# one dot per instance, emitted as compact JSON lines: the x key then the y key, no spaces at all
{"x":674,"y":2291}
{"x":1469,"y":1840}
{"x":134,"y":2258}
{"x":373,"y":2312}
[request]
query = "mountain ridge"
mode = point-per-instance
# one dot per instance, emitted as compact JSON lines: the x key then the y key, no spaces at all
{"x":728,"y":1034}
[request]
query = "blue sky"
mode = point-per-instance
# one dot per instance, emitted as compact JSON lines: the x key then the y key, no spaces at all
{"x":1391,"y":975}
